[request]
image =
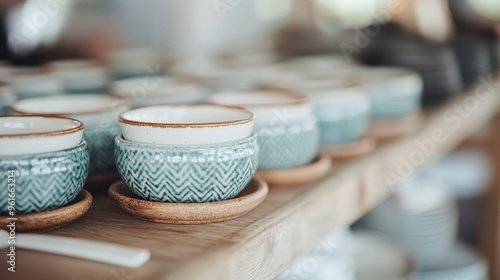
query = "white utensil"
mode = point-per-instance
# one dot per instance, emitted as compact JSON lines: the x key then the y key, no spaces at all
{"x":91,"y":250}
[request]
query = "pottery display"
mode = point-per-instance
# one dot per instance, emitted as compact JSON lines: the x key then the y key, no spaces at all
{"x":159,"y":90}
{"x":99,"y":113}
{"x":44,"y":155}
{"x":284,"y":122}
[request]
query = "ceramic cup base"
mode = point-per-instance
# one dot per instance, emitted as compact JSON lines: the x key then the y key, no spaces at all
{"x":189,"y":213}
{"x":384,"y":130}
{"x":311,"y":172}
{"x":52,"y":219}
{"x":350,"y":150}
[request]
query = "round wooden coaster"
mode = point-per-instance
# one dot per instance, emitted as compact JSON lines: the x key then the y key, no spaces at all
{"x":189,"y":213}
{"x":52,"y":219}
{"x":311,"y":172}
{"x":351,"y":150}
{"x":394,"y":128}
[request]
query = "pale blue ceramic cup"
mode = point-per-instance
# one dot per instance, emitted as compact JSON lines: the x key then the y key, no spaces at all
{"x":286,"y":126}
{"x":187,"y":174}
{"x":44,"y":181}
{"x":394,"y":92}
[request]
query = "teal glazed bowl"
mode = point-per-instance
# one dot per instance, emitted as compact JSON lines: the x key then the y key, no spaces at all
{"x":287,"y":145}
{"x":187,"y":174}
{"x":44,"y":181}
{"x":394,"y":92}
{"x":101,"y":144}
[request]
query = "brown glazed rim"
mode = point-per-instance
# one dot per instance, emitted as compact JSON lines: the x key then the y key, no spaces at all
{"x":250,"y":118}
{"x":299,"y":99}
{"x":121,"y":103}
{"x":43,"y":134}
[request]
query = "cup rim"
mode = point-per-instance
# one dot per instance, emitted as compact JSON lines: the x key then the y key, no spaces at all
{"x":120,"y":103}
{"x":78,"y":128}
{"x":250,"y":117}
{"x":299,"y":99}
{"x":178,"y":148}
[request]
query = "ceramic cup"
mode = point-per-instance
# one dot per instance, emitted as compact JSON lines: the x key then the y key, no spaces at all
{"x":135,"y":62}
{"x":198,"y":153}
{"x":394,"y":92}
{"x":7,"y":97}
{"x":99,"y":113}
{"x":159,"y":90}
{"x":44,"y":160}
{"x":284,"y":122}
{"x":34,"y":83}
{"x":342,"y":108}
{"x":81,"y":76}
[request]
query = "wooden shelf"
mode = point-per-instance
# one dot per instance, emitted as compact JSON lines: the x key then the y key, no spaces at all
{"x":263,"y":243}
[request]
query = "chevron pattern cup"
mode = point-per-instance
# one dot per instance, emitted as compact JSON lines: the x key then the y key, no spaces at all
{"x":101,"y":144}
{"x":187,"y":174}
{"x":287,"y":145}
{"x":45,"y":181}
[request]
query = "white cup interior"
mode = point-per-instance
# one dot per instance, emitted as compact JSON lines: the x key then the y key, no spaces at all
{"x":16,"y":125}
{"x":254,"y":98}
{"x":186,"y":114}
{"x":68,"y":104}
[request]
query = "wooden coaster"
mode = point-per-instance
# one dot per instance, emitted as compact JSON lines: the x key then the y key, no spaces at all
{"x":52,"y":219}
{"x":101,"y":181}
{"x":383,"y":130}
{"x":350,"y":150}
{"x":189,"y":213}
{"x":315,"y":170}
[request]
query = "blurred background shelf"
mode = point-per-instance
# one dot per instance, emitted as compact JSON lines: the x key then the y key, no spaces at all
{"x":261,"y":244}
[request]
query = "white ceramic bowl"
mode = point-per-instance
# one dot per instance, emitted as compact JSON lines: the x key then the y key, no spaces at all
{"x":159,"y":90}
{"x":186,"y":125}
{"x":268,"y":105}
{"x":33,"y":83}
{"x":91,"y":109}
{"x":84,"y":79}
{"x":24,"y":135}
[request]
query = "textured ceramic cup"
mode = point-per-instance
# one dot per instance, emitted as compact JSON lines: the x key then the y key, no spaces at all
{"x":159,"y":90}
{"x":198,"y":153}
{"x":34,"y":83}
{"x":44,"y":160}
{"x":394,"y":92}
{"x":342,"y":108}
{"x":99,"y":113}
{"x":44,"y":181}
{"x":81,"y":76}
{"x":7,"y":97}
{"x":284,"y":122}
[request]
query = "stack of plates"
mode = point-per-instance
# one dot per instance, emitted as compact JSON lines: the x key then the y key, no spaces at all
{"x":473,"y":58}
{"x":461,"y":263}
{"x":328,"y":260}
{"x":422,"y":219}
{"x":377,"y":259}
{"x":436,"y":63}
